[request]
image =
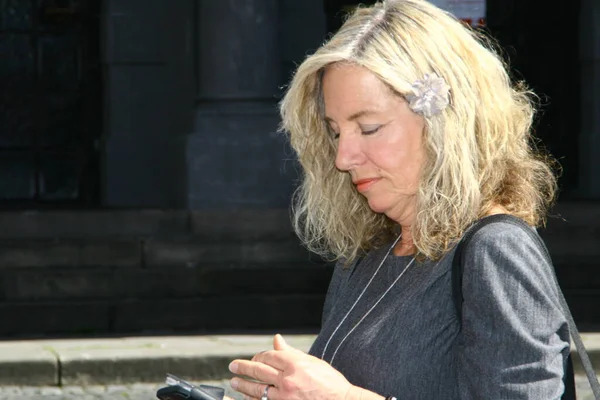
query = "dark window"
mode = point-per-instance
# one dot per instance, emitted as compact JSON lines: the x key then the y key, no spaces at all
{"x":50,"y":104}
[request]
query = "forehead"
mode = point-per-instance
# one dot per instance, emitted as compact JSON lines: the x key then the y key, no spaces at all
{"x":348,"y":88}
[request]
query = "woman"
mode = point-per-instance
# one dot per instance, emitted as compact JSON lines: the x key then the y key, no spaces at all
{"x":408,"y":130}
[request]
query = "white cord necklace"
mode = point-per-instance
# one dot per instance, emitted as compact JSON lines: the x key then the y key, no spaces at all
{"x":358,"y":298}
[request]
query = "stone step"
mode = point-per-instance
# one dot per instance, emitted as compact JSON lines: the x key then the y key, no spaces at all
{"x":188,"y":252}
{"x":248,"y":223}
{"x":104,"y":283}
{"x":220,"y":313}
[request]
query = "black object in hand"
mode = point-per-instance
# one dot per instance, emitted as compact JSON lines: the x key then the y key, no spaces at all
{"x":178,"y":389}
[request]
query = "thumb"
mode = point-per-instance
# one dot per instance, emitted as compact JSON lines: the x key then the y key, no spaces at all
{"x":280,"y":344}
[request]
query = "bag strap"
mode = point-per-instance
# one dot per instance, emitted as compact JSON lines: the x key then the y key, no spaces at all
{"x":457,"y":278}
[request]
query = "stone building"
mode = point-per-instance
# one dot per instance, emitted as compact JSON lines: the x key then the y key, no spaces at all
{"x":144,"y":185}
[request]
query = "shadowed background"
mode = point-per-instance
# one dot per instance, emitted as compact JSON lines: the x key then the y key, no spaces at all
{"x":144,"y":188}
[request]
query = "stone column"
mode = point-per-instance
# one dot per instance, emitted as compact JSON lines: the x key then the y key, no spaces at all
{"x":235,"y":157}
{"x":148,"y":100}
{"x":589,"y":163}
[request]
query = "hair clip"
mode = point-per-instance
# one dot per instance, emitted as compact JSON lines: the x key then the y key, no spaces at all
{"x":429,"y":96}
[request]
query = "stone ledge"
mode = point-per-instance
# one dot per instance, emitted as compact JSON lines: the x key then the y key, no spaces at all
{"x":70,"y":253}
{"x":26,"y":364}
{"x":223,"y":312}
{"x":245,"y":223}
{"x":192,"y":252}
{"x":92,"y":224}
{"x":63,"y":284}
{"x":210,"y":281}
{"x":49,"y":318}
{"x":117,"y":284}
{"x":242,"y":223}
{"x":141,"y":316}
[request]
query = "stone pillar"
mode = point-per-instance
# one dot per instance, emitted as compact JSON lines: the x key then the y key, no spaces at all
{"x":589,"y":166}
{"x":148,"y":100}
{"x":235,"y":157}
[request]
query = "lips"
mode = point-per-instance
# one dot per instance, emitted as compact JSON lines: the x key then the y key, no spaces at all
{"x":364,"y":184}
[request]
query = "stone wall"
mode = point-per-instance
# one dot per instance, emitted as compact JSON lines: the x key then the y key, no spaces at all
{"x":82,"y":273}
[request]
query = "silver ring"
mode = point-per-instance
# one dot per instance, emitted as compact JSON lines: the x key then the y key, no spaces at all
{"x":266,"y":393}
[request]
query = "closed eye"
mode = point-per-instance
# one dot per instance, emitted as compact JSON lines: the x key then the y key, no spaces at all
{"x":370,"y":130}
{"x":364,"y":130}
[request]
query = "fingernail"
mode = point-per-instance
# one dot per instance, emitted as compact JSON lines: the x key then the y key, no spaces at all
{"x":234,"y":383}
{"x":233,"y":367}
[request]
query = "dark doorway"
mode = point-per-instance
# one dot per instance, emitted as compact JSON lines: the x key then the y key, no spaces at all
{"x":50,"y":103}
{"x":542,"y":44}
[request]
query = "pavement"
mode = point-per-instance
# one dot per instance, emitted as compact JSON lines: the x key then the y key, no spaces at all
{"x":59,"y":368}
{"x":137,"y":391}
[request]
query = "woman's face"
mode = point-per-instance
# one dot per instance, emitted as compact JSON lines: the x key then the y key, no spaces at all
{"x":379,"y":139}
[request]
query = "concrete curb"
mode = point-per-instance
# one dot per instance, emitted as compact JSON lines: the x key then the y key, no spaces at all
{"x":129,"y":360}
{"x":148,"y":359}
{"x":591,"y":342}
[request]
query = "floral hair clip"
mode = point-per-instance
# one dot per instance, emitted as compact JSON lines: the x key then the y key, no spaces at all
{"x":430,"y":95}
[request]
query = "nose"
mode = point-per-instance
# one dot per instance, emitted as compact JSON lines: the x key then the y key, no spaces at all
{"x":348,"y":153}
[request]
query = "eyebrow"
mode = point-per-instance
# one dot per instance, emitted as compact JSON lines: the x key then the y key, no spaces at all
{"x":354,"y":116}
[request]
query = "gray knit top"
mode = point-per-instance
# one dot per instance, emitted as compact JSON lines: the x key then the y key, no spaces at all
{"x":512,"y":342}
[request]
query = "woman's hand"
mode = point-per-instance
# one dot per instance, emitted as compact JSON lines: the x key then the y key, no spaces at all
{"x":293,"y":374}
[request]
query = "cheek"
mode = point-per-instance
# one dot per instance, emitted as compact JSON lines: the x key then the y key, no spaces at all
{"x":401,"y":167}
{"x":393,"y":159}
{"x":399,"y":153}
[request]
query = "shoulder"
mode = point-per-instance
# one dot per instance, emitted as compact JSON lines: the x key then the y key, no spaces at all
{"x":504,"y":234}
{"x":507,"y":252}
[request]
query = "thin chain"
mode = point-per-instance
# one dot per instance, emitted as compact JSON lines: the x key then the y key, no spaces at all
{"x":371,"y":309}
{"x":359,"y":297}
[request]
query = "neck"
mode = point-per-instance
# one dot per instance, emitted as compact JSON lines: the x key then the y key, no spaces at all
{"x":405,"y":246}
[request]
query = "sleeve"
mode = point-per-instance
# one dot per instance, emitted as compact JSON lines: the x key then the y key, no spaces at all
{"x":514,"y":337}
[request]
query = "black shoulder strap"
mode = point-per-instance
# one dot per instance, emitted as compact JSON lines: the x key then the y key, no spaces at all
{"x":457,"y":279}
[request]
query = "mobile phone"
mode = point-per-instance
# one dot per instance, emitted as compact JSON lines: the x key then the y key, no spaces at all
{"x":178,"y":389}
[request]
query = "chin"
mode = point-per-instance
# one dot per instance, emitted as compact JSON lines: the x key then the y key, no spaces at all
{"x":378,"y":207}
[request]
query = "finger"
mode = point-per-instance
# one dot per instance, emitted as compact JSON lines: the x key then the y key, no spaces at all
{"x":280,"y":344}
{"x":258,"y":355}
{"x":274,"y":358}
{"x":272,"y":394}
{"x":254,"y":390}
{"x":255,"y":370}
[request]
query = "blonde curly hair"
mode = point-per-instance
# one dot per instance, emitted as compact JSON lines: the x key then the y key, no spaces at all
{"x":479,"y":150}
